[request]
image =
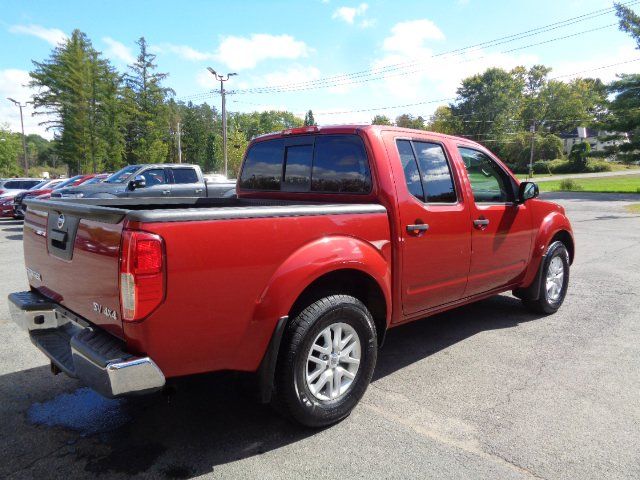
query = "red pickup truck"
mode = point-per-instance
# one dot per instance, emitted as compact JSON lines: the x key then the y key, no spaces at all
{"x":336,"y":235}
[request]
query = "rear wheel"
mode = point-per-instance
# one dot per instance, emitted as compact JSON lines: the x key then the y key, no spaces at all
{"x":326,"y":361}
{"x":554,"y":282}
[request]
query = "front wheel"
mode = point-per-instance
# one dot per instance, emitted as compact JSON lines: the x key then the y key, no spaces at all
{"x":326,"y":361}
{"x":555,"y":280}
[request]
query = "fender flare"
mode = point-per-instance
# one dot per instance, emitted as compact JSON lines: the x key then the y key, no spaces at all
{"x":316,"y":259}
{"x":301,"y":269}
{"x":551,"y":225}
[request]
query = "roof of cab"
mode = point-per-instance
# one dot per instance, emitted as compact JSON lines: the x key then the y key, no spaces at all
{"x":354,"y":128}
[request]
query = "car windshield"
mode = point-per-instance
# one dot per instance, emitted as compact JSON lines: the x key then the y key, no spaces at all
{"x":121,"y":175}
{"x":93,"y":180}
{"x":67,"y":182}
{"x":38,"y":186}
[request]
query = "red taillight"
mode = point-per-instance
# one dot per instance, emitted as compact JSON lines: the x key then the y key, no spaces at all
{"x":141,"y":274}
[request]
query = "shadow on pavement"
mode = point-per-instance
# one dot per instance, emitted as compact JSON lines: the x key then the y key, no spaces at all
{"x":14,"y":237}
{"x":591,"y":196}
{"x":209,"y":420}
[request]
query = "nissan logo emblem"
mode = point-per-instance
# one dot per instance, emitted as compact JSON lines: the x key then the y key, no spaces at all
{"x":61,"y":220}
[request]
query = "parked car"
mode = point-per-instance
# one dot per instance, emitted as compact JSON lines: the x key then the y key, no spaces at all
{"x":336,"y":235}
{"x":153,"y":180}
{"x":40,"y":189}
{"x":9,"y":188}
{"x":12,"y":186}
{"x":45,"y":191}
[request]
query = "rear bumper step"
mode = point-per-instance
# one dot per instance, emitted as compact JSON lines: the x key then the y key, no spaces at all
{"x":96,"y":358}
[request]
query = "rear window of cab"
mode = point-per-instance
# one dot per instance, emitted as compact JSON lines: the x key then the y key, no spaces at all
{"x":312,"y":163}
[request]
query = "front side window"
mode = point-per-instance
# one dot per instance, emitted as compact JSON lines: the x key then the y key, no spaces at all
{"x":154,"y":176}
{"x":426,"y":171}
{"x":489,"y":182}
{"x":185,"y":175}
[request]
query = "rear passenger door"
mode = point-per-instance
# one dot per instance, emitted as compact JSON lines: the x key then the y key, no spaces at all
{"x":435,"y":231}
{"x":186,"y":183}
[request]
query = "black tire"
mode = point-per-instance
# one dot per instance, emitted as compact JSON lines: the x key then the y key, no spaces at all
{"x":292,"y":396}
{"x":543,"y":304}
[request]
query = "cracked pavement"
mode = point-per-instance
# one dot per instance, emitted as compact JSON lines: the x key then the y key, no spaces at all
{"x":486,"y":391}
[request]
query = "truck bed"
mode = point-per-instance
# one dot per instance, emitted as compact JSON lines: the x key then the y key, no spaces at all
{"x":223,"y":261}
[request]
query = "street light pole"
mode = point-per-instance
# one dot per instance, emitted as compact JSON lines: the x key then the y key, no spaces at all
{"x":533,"y":140}
{"x":222,"y":79}
{"x":24,"y":141}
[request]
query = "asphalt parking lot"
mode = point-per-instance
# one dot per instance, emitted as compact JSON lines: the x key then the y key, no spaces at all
{"x":485,"y":391}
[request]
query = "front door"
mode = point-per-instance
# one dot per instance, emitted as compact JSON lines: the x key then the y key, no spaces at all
{"x":435,"y":232}
{"x":502,"y":229}
{"x":157,"y":184}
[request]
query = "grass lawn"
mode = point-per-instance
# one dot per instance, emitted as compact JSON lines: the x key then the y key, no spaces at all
{"x":621,"y":184}
{"x":634,"y":208}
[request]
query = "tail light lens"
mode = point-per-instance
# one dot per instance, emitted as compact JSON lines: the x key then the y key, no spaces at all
{"x":142,"y":265}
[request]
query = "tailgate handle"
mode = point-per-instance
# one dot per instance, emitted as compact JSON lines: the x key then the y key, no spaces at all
{"x":58,"y":236}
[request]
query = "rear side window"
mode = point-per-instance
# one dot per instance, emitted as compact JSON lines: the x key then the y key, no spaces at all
{"x":263,"y":166}
{"x":184,"y":175}
{"x":427,"y":172}
{"x":323,"y":164}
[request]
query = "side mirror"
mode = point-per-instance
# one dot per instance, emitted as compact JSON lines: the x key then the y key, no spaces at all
{"x":527,"y":191}
{"x":138,"y":182}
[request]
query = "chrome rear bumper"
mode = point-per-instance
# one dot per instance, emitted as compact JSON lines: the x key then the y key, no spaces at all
{"x":82,"y":351}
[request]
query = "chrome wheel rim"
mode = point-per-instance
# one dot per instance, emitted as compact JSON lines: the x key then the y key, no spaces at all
{"x":333,"y":362}
{"x":555,"y":279}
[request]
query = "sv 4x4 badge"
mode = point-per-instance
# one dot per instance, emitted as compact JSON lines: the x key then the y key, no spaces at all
{"x":106,"y":311}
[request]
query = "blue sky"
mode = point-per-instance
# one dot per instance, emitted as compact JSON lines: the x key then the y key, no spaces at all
{"x":291,"y":43}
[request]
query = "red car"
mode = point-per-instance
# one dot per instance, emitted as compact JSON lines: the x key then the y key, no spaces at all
{"x":337,"y":235}
{"x":44,"y":192}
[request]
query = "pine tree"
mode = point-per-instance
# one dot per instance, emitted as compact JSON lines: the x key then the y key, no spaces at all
{"x":147,"y":133}
{"x":309,"y":120}
{"x":76,"y":87}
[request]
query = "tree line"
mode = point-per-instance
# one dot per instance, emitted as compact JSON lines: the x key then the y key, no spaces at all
{"x":103,"y":119}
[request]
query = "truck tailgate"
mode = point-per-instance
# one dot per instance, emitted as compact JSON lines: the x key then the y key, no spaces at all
{"x":72,"y":256}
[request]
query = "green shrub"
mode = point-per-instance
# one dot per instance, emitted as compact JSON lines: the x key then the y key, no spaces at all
{"x":594,"y":166}
{"x":569,"y":185}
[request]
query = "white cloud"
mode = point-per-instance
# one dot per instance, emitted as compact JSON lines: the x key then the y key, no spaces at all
{"x":408,"y":37}
{"x":183,"y":51}
{"x":412,"y":73}
{"x":118,"y":50}
{"x":54,"y":36}
{"x":368,"y":23}
{"x":246,"y":52}
{"x":587,"y":68}
{"x":349,"y":14}
{"x":14,"y":84}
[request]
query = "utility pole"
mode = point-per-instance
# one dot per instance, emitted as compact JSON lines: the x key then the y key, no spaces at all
{"x":222,"y":79}
{"x":179,"y":145}
{"x":24,"y":140}
{"x":533,"y":136}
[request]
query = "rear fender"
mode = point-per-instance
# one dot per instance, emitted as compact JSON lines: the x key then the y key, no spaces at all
{"x":302,"y":268}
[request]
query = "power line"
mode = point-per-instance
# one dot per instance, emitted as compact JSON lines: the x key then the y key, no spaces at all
{"x":327,"y":81}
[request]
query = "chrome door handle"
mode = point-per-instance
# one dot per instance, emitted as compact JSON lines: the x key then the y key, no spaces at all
{"x":417,"y":228}
{"x":481,"y":222}
{"x":166,"y":192}
{"x":198,"y":190}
